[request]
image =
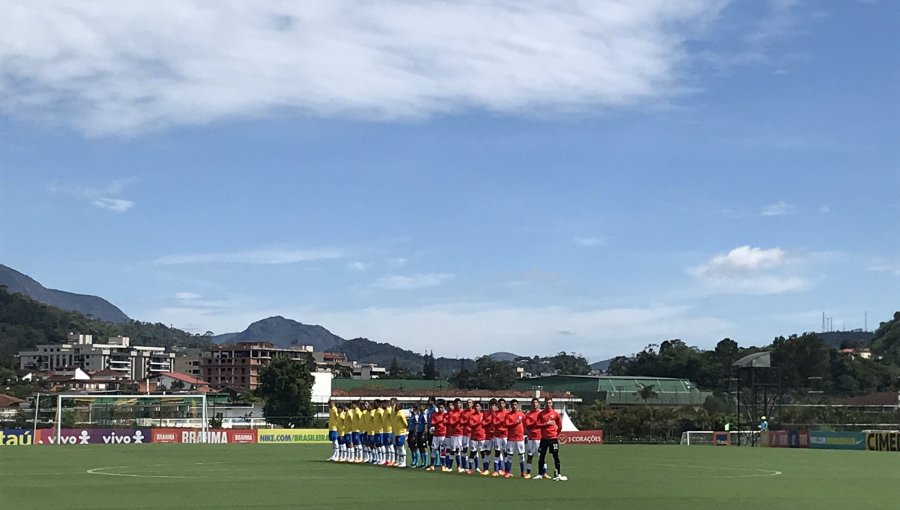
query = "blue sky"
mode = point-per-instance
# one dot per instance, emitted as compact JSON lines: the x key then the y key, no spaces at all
{"x":466,"y":177}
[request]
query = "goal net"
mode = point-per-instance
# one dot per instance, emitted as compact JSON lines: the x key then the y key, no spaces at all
{"x":709,"y":437}
{"x":132,"y":411}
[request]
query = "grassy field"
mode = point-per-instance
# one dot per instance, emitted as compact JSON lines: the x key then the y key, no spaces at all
{"x":288,"y":476}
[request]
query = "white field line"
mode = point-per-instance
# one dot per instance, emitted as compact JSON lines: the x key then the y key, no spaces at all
{"x":754,"y":472}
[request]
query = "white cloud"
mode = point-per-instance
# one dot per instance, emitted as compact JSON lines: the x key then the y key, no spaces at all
{"x":358,"y":266}
{"x":262,"y":257}
{"x":125,"y":67}
{"x":118,"y":205}
{"x":472,"y":329}
{"x":396,"y":262}
{"x":590,"y":242}
{"x":780,"y":208}
{"x":104,"y":197}
{"x":751,"y":270}
{"x":187,"y":295}
{"x":886,"y":266}
{"x":409,"y":282}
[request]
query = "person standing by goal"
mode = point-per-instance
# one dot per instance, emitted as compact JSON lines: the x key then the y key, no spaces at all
{"x":551,"y":424}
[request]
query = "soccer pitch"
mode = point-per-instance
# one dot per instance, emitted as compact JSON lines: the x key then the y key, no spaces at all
{"x":292,"y":476}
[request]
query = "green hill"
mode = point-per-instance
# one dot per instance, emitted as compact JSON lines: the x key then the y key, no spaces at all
{"x":25,"y":323}
{"x":91,"y":306}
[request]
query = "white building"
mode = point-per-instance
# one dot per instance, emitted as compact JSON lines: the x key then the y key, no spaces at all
{"x":135,"y":361}
{"x":369,"y":371}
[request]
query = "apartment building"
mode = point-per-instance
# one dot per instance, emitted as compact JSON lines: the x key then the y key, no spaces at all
{"x":80,"y":351}
{"x":237,"y":365}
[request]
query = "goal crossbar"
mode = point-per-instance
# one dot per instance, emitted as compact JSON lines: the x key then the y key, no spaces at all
{"x":204,"y":417}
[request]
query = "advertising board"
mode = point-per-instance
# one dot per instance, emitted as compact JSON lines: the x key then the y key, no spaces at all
{"x":292,"y":436}
{"x":827,"y":440}
{"x":16,"y":437}
{"x":93,"y":436}
{"x":883,"y":441}
{"x":581,"y":437}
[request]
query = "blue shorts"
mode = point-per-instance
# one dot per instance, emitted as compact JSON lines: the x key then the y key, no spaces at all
{"x":387,"y":439}
{"x":347,"y":439}
{"x":340,"y":439}
{"x":332,"y":435}
{"x":363,"y":438}
{"x":355,"y":437}
{"x":377,"y":439}
{"x":400,"y":440}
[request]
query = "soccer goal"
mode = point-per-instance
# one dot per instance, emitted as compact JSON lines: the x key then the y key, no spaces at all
{"x":697,"y":437}
{"x":708,"y":437}
{"x":131,"y":411}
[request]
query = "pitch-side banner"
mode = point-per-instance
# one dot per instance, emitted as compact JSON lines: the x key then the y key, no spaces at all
{"x":788,"y":439}
{"x":16,"y":437}
{"x":828,"y":440}
{"x":887,"y":441}
{"x":94,"y":436}
{"x":581,"y":437}
{"x":215,"y":436}
{"x":299,"y":436}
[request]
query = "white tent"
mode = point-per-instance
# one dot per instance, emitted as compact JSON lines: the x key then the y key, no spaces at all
{"x":567,"y":425}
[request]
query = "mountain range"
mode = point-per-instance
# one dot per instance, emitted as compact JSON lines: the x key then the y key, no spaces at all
{"x":286,"y":333}
{"x":90,"y":306}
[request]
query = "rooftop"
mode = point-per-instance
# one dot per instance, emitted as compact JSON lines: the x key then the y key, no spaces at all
{"x":7,"y":401}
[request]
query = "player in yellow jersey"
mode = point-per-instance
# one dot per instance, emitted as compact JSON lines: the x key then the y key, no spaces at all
{"x":399,"y":425}
{"x":355,"y":427}
{"x":387,"y":424}
{"x":370,"y":432}
{"x":380,"y":457}
{"x":333,"y":429}
{"x":344,"y":433}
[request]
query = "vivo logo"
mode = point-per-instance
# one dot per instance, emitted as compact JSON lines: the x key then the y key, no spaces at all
{"x":113,"y":438}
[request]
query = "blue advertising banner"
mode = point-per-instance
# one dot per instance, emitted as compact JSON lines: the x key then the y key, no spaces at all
{"x":826,"y":440}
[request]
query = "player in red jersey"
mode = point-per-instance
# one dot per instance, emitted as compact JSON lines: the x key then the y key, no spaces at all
{"x":533,"y":429}
{"x":466,"y":432}
{"x":498,"y":417}
{"x":477,"y":436}
{"x":515,"y":442}
{"x":551,"y":424}
{"x":488,"y":421}
{"x":438,"y":432}
{"x":454,"y":435}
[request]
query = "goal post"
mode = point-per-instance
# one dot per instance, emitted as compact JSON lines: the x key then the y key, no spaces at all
{"x":697,"y":437}
{"x":130,"y":411}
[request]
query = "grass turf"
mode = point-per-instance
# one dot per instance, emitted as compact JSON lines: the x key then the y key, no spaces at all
{"x":293,"y":476}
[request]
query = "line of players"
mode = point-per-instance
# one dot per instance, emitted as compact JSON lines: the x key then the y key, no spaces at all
{"x":441,"y":434}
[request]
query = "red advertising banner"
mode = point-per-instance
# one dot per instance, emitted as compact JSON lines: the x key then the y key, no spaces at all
{"x":165,"y":435}
{"x":216,"y":436}
{"x":788,"y":439}
{"x":581,"y":437}
{"x":237,"y":436}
